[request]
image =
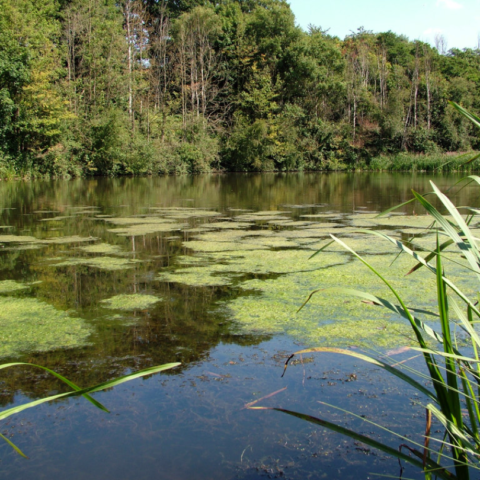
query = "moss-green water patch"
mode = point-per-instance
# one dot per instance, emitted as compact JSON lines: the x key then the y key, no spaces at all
{"x":221,"y":246}
{"x":333,"y":318}
{"x":290,"y":223}
{"x":310,"y":233}
{"x":134,"y":301}
{"x":137,"y":220}
{"x":258,"y":218}
{"x":145,"y":229}
{"x":17,"y":238}
{"x":57,"y":219}
{"x":105,"y":248}
{"x":271,"y":242}
{"x":9,"y":286}
{"x":103,"y":263}
{"x":232,"y":235}
{"x":367,"y":220}
{"x":333,"y":216}
{"x":67,"y":240}
{"x":228,"y":225}
{"x":28,"y":246}
{"x":196,"y":277}
{"x":197,"y":230}
{"x":29,"y":325}
{"x":361,"y":244}
{"x":184,"y":213}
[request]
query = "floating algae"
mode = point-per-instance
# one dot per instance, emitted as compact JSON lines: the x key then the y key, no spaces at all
{"x":371,"y":219}
{"x":227,"y":225}
{"x":290,"y":223}
{"x":196,"y":277}
{"x":103,"y":248}
{"x":203,"y":246}
{"x":57,"y":219}
{"x":9,"y":286}
{"x":334,"y":216}
{"x":145,"y":229}
{"x":17,"y":238}
{"x":220,"y":268}
{"x":67,"y":240}
{"x":258,"y":218}
{"x":103,"y":263}
{"x":232,"y":235}
{"x":29,"y":325}
{"x":272,"y":242}
{"x":332,"y":318}
{"x":135,"y":301}
{"x":137,"y":220}
{"x":179,"y":213}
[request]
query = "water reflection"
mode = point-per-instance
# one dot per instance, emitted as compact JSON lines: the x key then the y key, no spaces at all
{"x":199,"y":405}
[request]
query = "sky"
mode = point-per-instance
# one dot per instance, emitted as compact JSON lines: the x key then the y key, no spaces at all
{"x":457,"y":20}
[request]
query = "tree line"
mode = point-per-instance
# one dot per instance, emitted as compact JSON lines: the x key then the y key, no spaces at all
{"x":116,"y":87}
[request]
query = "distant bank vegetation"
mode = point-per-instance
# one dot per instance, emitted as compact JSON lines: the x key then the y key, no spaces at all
{"x":108,"y":87}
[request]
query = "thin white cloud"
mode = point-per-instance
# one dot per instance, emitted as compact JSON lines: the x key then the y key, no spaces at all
{"x":450,"y":4}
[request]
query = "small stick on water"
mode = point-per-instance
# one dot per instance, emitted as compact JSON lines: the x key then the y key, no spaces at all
{"x":250,"y":404}
{"x":241,"y":456}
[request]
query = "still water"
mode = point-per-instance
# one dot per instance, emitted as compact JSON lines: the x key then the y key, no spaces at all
{"x":101,"y":277}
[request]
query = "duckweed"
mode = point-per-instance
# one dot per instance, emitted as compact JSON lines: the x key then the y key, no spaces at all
{"x":103,"y":263}
{"x":102,"y":248}
{"x":145,"y":229}
{"x":66,"y":240}
{"x":30,"y":325}
{"x":135,"y":301}
{"x":331,"y":318}
{"x":17,"y":238}
{"x":8,"y":286}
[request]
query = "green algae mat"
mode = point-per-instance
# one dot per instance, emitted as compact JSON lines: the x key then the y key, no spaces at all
{"x":250,"y":263}
{"x":100,"y":277}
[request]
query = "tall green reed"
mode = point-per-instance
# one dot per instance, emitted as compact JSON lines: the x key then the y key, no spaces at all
{"x":455,"y":375}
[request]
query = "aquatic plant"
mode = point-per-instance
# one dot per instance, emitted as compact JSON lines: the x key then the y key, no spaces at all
{"x":75,"y":392}
{"x":454,"y":400}
{"x":134,"y":301}
{"x":455,"y":375}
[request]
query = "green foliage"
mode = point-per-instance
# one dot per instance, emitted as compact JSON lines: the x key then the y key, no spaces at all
{"x":143,"y":87}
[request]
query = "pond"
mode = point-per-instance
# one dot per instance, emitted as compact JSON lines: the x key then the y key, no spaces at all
{"x":101,"y":277}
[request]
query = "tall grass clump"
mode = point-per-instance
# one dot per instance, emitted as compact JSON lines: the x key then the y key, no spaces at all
{"x":429,"y":162}
{"x":454,"y":372}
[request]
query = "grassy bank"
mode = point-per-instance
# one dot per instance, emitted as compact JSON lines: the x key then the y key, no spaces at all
{"x":443,"y":162}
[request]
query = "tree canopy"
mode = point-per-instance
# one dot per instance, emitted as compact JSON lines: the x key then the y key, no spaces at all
{"x":174,"y":86}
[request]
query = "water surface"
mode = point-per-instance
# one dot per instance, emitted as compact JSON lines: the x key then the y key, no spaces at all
{"x":103,"y":276}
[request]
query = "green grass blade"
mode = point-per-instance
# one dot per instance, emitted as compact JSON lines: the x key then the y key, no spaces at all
{"x":373,"y":361}
{"x":472,"y":117}
{"x":439,"y":471}
{"x":102,"y":386}
{"x":60,"y":377}
{"x":13,"y":446}
{"x":451,"y":232}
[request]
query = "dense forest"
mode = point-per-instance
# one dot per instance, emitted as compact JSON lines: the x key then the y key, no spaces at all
{"x":91,"y":87}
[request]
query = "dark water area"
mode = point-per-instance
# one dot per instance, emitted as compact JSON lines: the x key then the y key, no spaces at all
{"x":75,"y":253}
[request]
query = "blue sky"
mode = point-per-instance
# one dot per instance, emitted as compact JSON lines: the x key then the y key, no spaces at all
{"x":457,"y":20}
